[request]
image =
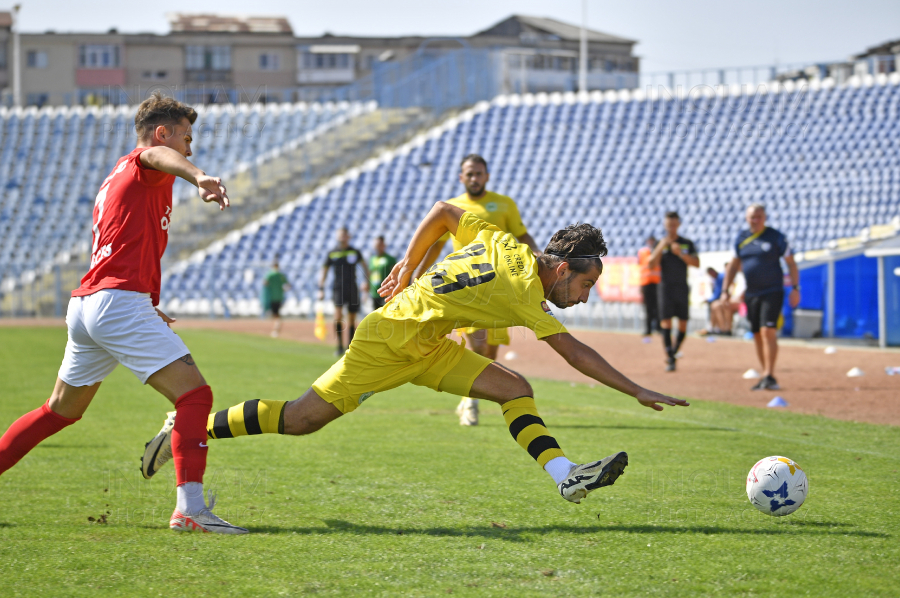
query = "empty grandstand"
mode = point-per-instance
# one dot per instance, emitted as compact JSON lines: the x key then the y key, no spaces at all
{"x":823,"y":158}
{"x":53,"y":161}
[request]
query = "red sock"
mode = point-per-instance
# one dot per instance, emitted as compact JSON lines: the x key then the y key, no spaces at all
{"x":28,"y":431}
{"x":189,"y":435}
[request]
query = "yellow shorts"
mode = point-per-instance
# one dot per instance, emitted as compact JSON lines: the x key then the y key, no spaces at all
{"x":495,"y":336}
{"x":375,"y":363}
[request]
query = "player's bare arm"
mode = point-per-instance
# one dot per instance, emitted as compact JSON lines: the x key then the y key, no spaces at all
{"x":431,"y":256}
{"x":658,"y":251}
{"x":587,"y":361}
{"x":442,"y":218}
{"x":166,"y":159}
{"x":794,"y":297}
{"x":322,"y":278}
{"x":167,"y":319}
{"x":690,"y":260}
{"x":365,"y":283}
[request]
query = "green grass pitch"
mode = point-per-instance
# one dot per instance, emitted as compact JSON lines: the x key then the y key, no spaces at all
{"x":396,"y":499}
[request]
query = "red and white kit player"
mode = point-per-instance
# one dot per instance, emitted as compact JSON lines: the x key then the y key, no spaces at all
{"x":112,"y":316}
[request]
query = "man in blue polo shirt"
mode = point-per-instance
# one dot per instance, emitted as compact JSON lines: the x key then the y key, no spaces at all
{"x":759,"y":250}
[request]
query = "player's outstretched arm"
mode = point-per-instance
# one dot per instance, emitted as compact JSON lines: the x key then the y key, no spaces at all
{"x":431,"y":256}
{"x":589,"y":362}
{"x":167,"y":160}
{"x":442,"y":218}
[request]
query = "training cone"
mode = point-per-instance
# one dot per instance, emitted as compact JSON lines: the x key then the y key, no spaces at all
{"x":320,"y":331}
{"x":777,"y":402}
{"x":751,"y":374}
{"x":892,"y":371}
{"x":856,"y":373}
{"x":830,"y":350}
{"x":748,"y":336}
{"x":510,"y":355}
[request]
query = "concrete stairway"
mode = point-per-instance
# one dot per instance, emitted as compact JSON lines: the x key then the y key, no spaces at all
{"x":280,"y":177}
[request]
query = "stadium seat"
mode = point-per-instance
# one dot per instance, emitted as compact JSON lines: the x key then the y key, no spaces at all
{"x":53,"y":161}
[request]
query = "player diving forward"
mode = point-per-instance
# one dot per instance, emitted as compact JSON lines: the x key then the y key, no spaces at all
{"x":493,"y":277}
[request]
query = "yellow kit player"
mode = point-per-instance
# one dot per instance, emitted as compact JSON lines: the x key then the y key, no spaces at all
{"x":492,"y":278}
{"x":502,"y":212}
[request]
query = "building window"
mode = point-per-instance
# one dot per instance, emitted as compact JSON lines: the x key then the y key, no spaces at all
{"x":36,"y":59}
{"x":327,"y":61}
{"x":208,"y":58}
{"x":3,"y":56}
{"x":269,"y":61}
{"x":98,"y":56}
{"x":154,"y":75}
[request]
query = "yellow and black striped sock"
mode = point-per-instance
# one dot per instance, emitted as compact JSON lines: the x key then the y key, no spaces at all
{"x":248,"y":418}
{"x":529,"y":431}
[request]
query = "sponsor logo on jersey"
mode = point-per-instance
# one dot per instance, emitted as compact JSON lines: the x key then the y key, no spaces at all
{"x":365,"y":396}
{"x":546,"y":308}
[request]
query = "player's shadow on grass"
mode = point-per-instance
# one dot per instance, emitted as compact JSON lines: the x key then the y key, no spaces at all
{"x":670,"y":428}
{"x":626,"y":427}
{"x":519,"y":534}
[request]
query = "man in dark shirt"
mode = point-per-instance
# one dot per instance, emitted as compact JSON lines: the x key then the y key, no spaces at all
{"x":759,"y":250}
{"x":345,"y":292}
{"x":673,"y":254}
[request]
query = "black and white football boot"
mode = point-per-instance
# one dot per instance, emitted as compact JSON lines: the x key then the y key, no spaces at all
{"x":590,"y":476}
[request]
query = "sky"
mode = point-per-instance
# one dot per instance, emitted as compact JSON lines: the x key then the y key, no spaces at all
{"x":672,"y":35}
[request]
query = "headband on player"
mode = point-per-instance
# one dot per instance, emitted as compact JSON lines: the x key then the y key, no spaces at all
{"x":573,"y":257}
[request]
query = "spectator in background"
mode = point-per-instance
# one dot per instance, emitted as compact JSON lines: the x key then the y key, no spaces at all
{"x":715,"y":290}
{"x":649,"y":288}
{"x":380,"y":265}
{"x":345,"y":292}
{"x":723,"y":311}
{"x":274,"y":285}
{"x":673,"y":254}
{"x":759,"y":250}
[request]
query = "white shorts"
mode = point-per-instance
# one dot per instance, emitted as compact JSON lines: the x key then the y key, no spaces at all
{"x":112,"y":327}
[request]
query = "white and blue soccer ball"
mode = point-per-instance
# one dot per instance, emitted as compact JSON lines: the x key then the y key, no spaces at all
{"x":777,"y":486}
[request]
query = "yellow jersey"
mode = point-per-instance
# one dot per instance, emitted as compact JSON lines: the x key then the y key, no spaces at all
{"x":490,"y":282}
{"x":493,"y":208}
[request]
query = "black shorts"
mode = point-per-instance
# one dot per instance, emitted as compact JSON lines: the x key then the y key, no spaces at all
{"x":763,"y":311}
{"x":275,"y":307}
{"x":377,"y":302}
{"x":673,"y":303}
{"x":347,"y":297}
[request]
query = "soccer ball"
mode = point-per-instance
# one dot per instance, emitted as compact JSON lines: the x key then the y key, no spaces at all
{"x":777,"y":486}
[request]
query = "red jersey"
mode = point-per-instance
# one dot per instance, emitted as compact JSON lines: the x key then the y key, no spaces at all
{"x":131,"y":229}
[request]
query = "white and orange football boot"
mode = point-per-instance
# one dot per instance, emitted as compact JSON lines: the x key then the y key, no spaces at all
{"x":204,"y":521}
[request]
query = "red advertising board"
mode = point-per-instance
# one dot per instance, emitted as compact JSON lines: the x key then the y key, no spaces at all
{"x":620,"y":280}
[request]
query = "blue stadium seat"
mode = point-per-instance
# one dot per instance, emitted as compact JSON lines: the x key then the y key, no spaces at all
{"x":53,"y":161}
